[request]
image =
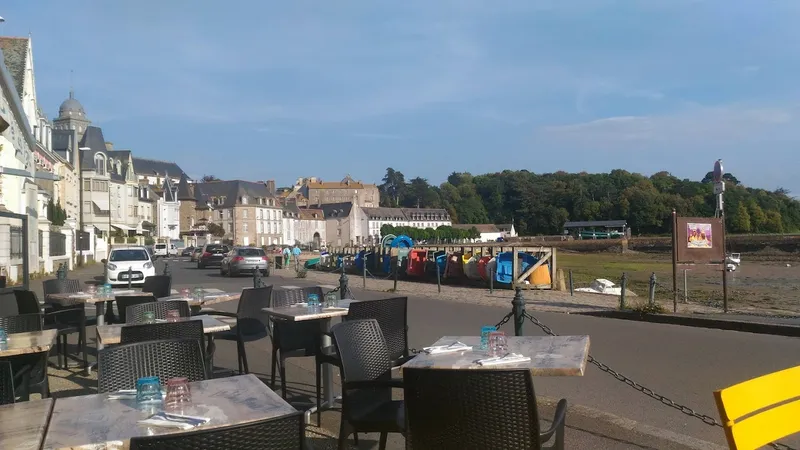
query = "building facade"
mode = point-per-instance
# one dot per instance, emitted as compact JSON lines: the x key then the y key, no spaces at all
{"x":311,"y":232}
{"x":375,"y":218}
{"x":168,"y":211}
{"x":318,"y":192}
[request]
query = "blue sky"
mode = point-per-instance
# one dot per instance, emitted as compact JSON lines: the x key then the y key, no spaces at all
{"x":281,"y":89}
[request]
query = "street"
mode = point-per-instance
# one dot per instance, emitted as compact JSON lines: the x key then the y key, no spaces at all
{"x":682,"y":363}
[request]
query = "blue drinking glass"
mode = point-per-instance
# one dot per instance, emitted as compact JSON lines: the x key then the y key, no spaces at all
{"x":485,"y":336}
{"x":148,"y":390}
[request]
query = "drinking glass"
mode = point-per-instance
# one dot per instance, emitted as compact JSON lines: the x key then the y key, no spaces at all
{"x":186,"y":293}
{"x":148,"y":389}
{"x":198,"y":294}
{"x":313,"y":302}
{"x":331,"y":300}
{"x":3,"y":339}
{"x":149,"y":317}
{"x":91,"y":290}
{"x":485,"y":336}
{"x":178,"y":393}
{"x":173,"y":315}
{"x":498,"y":345}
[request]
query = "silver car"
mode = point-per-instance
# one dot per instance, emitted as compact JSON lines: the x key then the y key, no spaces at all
{"x":244,"y":259}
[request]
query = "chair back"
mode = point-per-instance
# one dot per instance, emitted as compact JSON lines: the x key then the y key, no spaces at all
{"x":135,"y":314}
{"x":58,"y":286}
{"x":8,"y":304}
{"x":250,"y":320}
{"x":126,"y":301}
{"x":6,"y":383}
{"x":189,"y":329}
{"x":392,"y":316}
{"x":364,"y":357}
{"x":21,"y":323}
{"x":27,"y":303}
{"x":285,"y":297}
{"x":120,"y":366}
{"x":453,"y":408}
{"x":280,"y":433}
{"x":158,"y":285}
{"x":762,"y":410}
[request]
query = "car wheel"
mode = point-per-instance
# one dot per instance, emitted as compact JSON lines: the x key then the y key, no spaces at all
{"x":200,"y":266}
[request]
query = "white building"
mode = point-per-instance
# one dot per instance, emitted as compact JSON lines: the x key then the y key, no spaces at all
{"x":291,"y":224}
{"x":168,"y":214}
{"x":312,"y":228}
{"x":488,"y":232}
{"x":374,"y":218}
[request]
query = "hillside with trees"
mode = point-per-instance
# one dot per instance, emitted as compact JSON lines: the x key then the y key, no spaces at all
{"x":539,"y":204}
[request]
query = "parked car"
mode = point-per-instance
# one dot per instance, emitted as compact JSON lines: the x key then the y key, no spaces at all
{"x":187,"y":251}
{"x":243,"y":259}
{"x":164,"y":250}
{"x":212,"y":255}
{"x":196,"y":253}
{"x":122,"y":259}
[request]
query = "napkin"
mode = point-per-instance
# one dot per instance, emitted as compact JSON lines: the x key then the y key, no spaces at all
{"x":510,"y":358}
{"x":123,"y":291}
{"x":80,"y":295}
{"x":451,"y":348}
{"x":164,"y":419}
{"x":122,"y":394}
{"x":300,"y":304}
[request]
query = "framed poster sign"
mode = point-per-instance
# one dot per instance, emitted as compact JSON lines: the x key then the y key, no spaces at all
{"x":699,"y":240}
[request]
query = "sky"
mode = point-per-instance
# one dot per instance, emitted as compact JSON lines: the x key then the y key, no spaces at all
{"x":264,"y":89}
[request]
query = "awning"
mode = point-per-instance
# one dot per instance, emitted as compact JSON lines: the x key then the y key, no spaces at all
{"x":122,"y":227}
{"x":101,"y":203}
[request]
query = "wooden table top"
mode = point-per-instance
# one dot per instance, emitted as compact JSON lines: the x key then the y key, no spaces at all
{"x":85,"y":297}
{"x":111,"y":334}
{"x":30,"y":342}
{"x":550,"y":355}
{"x":23,"y":424}
{"x":299,"y":313}
{"x":96,"y":421}
{"x":211,"y":297}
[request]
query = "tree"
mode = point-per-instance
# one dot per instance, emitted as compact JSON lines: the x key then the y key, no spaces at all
{"x":209,"y":178}
{"x":215,"y":230}
{"x":728,"y":178}
{"x":393,"y":187}
{"x":739,"y":221}
{"x":55,"y":213}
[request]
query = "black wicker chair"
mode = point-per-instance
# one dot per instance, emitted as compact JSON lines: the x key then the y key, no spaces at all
{"x":30,"y":370}
{"x":120,"y":366}
{"x":126,"y":301}
{"x":281,"y":433}
{"x":68,"y":317}
{"x":189,"y":329}
{"x":367,"y":383}
{"x":251,"y":323}
{"x":392,"y":316}
{"x":135,"y":314}
{"x":293,"y":339}
{"x":458,"y":409}
{"x":158,"y":285}
{"x":6,"y":383}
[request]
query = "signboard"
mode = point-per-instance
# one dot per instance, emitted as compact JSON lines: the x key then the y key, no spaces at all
{"x":82,"y":241}
{"x":699,"y":240}
{"x":718,"y":171}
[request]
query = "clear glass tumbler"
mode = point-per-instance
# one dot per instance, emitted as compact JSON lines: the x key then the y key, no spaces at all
{"x":173,"y":315}
{"x":178,"y":393}
{"x":148,"y":390}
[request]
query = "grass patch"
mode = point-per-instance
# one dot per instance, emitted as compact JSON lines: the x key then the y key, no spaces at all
{"x":647,"y":308}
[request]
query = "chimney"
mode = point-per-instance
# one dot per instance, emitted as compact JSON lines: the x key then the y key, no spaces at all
{"x":270,"y":184}
{"x":109,"y":146}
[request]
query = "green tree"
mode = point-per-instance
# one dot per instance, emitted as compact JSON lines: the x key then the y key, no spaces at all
{"x":740,"y":220}
{"x":215,"y":229}
{"x":393,"y":187}
{"x":774,"y":222}
{"x":758,"y":219}
{"x":209,"y":178}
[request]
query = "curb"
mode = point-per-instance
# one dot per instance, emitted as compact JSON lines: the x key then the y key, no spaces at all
{"x":634,"y":426}
{"x":700,"y":322}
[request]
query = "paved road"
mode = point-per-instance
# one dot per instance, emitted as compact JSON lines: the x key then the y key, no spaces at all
{"x":683,"y":363}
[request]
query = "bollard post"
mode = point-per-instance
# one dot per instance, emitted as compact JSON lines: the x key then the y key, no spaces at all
{"x":518,"y":308}
{"x":652,"y":288}
{"x":256,"y":278}
{"x":130,"y":276}
{"x":342,"y":283}
{"x":622,"y":292}
{"x":438,"y":279}
{"x":61,"y":273}
{"x":571,"y":285}
{"x":685,"y":286}
{"x":491,"y":281}
{"x":167,"y":270}
{"x":395,"y":276}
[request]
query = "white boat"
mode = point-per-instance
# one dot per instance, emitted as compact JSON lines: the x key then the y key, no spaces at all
{"x":734,"y":258}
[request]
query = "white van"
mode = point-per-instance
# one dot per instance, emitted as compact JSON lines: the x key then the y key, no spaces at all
{"x":163,"y":250}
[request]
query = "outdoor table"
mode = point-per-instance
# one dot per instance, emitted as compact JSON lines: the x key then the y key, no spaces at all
{"x":29,"y":342}
{"x":97,"y":421}
{"x":550,"y":355}
{"x":23,"y":424}
{"x":211,"y":297}
{"x":300,"y":314}
{"x":111,"y":334}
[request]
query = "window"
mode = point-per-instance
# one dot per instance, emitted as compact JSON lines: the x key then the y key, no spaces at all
{"x":244,"y":227}
{"x":100,"y":164}
{"x":244,"y":214}
{"x":244,"y":199}
{"x":220,"y":215}
{"x":87,"y":185}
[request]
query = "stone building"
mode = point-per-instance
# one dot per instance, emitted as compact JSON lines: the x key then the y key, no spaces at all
{"x":312,"y":231}
{"x":318,"y":192}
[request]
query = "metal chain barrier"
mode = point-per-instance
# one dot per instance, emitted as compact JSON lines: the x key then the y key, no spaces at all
{"x":708,"y":420}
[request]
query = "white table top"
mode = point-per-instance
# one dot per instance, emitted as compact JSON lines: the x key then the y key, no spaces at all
{"x":301,"y":313}
{"x":111,"y":334}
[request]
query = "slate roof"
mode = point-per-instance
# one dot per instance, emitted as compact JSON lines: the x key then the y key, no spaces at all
{"x":385,"y":213}
{"x":170,"y":193}
{"x":124,"y":157}
{"x":597,"y":223}
{"x":333,"y":210}
{"x":92,"y":138}
{"x":146,"y":166}
{"x":231,"y":190}
{"x":15,"y":55}
{"x":426,"y":213}
{"x":184,"y":193}
{"x":308,"y":214}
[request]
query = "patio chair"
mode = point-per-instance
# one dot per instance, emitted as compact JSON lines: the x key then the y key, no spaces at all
{"x":278,"y":433}
{"x":29,"y":370}
{"x":69,"y":317}
{"x":6,"y":383}
{"x":392,"y":316}
{"x":190,"y":329}
{"x":135,"y":314}
{"x":456,"y":409}
{"x":293,"y":339}
{"x":251,"y":323}
{"x":367,"y":383}
{"x":126,"y":301}
{"x":158,"y":285}
{"x":120,"y":366}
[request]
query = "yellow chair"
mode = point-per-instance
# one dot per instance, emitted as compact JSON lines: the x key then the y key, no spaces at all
{"x":762,"y":410}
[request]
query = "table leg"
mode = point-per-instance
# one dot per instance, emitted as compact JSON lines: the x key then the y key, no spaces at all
{"x":100,"y":310}
{"x":327,"y":370}
{"x":83,"y":341}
